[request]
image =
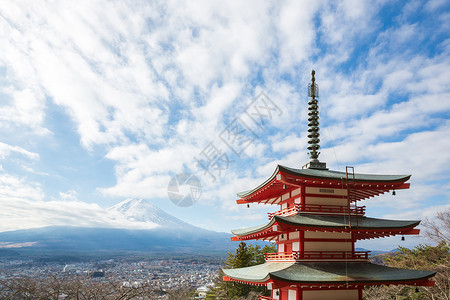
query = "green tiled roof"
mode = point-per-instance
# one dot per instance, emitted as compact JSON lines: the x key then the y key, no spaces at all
{"x":330,"y":175}
{"x":258,"y":273}
{"x":317,"y":173}
{"x":326,"y":272}
{"x":328,"y":221}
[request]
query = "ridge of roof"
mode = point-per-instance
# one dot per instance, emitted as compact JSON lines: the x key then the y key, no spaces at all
{"x":321,"y":173}
{"x":327,"y":174}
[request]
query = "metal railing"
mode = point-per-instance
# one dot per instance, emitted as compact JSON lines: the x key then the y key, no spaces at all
{"x":321,"y":255}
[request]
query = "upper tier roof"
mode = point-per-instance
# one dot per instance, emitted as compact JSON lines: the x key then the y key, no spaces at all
{"x":328,"y":174}
{"x":285,"y":178}
{"x":327,"y":273}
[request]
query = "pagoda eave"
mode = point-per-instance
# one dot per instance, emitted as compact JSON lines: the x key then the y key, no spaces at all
{"x":362,"y":227}
{"x":327,"y":275}
{"x":365,"y":235}
{"x":287,"y":179}
{"x":360,"y":185}
{"x":277,"y":284}
{"x":356,"y":195}
{"x":359,"y":234}
{"x":281,"y":183}
{"x":262,"y":235}
{"x":315,"y":174}
{"x":263,"y":283}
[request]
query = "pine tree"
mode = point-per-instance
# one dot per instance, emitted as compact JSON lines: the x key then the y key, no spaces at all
{"x":422,"y":257}
{"x":245,"y":256}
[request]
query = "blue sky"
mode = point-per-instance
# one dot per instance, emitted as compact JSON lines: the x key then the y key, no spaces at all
{"x":101,"y":101}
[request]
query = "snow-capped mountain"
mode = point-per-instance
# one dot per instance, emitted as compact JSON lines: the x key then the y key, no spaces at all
{"x":132,"y":225}
{"x":141,"y":210}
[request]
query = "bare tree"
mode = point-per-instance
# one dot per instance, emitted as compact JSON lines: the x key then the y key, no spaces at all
{"x":72,"y":288}
{"x":438,"y":229}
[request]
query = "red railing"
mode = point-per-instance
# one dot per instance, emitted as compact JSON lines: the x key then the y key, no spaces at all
{"x":358,"y":210}
{"x":318,"y":208}
{"x":321,"y":255}
{"x":281,"y":256}
{"x":285,"y":212}
{"x":264,"y":298}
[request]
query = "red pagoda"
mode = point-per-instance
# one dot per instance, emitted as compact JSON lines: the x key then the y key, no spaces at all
{"x":317,"y":226}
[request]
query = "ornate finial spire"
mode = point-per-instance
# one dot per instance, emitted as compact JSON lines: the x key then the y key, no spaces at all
{"x":313,"y":119}
{"x":313,"y":126}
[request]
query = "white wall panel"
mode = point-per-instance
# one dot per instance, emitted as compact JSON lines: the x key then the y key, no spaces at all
{"x":331,"y":294}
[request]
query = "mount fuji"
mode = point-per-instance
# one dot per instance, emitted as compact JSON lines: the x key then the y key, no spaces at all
{"x":143,"y":212}
{"x":135,"y":225}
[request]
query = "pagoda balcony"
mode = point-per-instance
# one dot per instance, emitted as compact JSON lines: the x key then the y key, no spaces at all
{"x":264,"y":298}
{"x":285,"y":212}
{"x":319,"y":209}
{"x":317,"y":255}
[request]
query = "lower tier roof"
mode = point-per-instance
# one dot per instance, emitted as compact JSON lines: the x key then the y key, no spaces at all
{"x":338,"y":222}
{"x":326,"y":273}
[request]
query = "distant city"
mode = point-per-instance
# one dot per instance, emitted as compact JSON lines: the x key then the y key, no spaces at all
{"x":161,"y":274}
{"x":164,"y":255}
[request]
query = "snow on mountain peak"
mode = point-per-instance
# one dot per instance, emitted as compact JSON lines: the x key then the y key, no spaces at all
{"x":141,"y":210}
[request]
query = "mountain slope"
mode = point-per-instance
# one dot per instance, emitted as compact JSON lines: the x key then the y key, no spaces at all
{"x":59,"y":238}
{"x":170,"y":234}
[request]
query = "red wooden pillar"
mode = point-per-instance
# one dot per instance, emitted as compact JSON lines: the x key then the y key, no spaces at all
{"x":360,"y":292}
{"x":302,"y":241}
{"x":302,"y":195}
{"x":284,"y":294}
{"x":353,"y":242}
{"x":302,"y":233}
{"x":299,"y":293}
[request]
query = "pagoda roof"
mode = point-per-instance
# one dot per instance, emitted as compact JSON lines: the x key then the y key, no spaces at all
{"x":304,"y":221}
{"x":326,"y":273}
{"x":365,"y":185}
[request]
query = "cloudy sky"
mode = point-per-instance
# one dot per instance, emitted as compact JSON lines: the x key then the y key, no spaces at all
{"x":101,"y":101}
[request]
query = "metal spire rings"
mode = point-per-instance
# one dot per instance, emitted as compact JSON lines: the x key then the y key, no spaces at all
{"x":313,"y":119}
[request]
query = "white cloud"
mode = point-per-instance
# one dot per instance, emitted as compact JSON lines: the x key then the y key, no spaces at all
{"x":14,"y":188}
{"x":435,"y":4}
{"x":22,"y":107}
{"x":73,"y":64}
{"x":24,"y":206}
{"x":6,"y":150}
{"x":25,"y":213}
{"x":251,"y":217}
{"x":70,"y":195}
{"x":429,"y":212}
{"x":296,"y":32}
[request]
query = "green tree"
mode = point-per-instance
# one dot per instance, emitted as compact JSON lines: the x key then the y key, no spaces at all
{"x":245,"y":256}
{"x":422,"y":257}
